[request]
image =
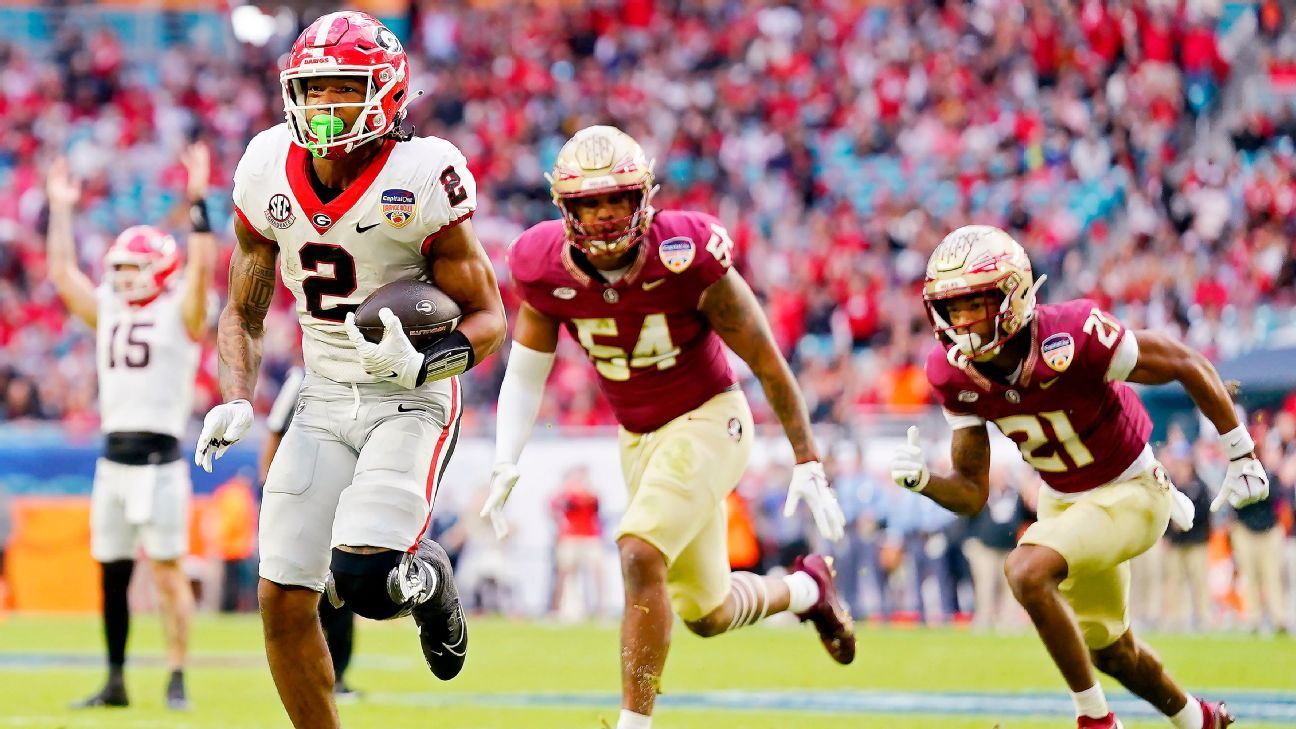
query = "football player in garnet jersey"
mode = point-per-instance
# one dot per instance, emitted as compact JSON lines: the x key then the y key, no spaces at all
{"x":148,"y":319}
{"x":1052,"y":378}
{"x":347,"y":202}
{"x":653,"y":300}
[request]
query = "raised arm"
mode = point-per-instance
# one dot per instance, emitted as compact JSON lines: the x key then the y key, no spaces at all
{"x":242,"y":322}
{"x":461,"y":268}
{"x":734,"y":313}
{"x":202,"y":244}
{"x":73,"y":286}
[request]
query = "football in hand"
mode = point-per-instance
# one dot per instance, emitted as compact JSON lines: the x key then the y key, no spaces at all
{"x":425,"y":311}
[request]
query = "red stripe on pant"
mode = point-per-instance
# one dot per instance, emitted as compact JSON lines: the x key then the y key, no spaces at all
{"x":434,"y":468}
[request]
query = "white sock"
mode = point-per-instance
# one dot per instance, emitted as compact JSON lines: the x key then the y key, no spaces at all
{"x":804,"y":591}
{"x":631,"y":720}
{"x":1091,"y":702}
{"x":1190,"y":716}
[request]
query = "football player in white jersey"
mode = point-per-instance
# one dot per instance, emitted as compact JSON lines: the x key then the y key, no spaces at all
{"x":347,"y":202}
{"x":148,"y":323}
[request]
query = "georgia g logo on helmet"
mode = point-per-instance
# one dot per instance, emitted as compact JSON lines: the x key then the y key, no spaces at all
{"x":347,"y":43}
{"x":973,"y":260}
{"x":600,"y":160}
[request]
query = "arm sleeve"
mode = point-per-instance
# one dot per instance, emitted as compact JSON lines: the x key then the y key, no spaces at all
{"x":958,"y":421}
{"x":1124,"y":358}
{"x":519,"y":400}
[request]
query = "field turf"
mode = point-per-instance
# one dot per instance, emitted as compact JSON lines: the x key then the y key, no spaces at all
{"x":528,"y":675}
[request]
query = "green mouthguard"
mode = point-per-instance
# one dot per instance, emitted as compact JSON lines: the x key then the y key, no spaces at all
{"x":325,"y":127}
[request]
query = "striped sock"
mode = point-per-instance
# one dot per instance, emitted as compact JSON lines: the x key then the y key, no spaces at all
{"x":751,"y":599}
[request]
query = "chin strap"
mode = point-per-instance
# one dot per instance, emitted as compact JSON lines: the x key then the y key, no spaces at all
{"x":1030,"y":295}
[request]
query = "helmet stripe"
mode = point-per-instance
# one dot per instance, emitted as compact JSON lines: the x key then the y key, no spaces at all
{"x":325,"y":27}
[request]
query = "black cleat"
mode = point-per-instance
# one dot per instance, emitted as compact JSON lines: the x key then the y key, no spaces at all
{"x":175,"y":693}
{"x":113,"y":694}
{"x":443,"y":634}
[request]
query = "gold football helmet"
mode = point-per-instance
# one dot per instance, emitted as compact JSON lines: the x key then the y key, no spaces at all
{"x":977,"y":259}
{"x":596,"y":161}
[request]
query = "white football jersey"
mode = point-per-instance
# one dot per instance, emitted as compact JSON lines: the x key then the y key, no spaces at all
{"x":332,"y":255}
{"x":146,"y":362}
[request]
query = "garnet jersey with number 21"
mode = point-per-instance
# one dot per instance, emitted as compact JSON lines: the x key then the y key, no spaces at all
{"x":332,"y":255}
{"x":656,"y":355}
{"x":1076,"y":427}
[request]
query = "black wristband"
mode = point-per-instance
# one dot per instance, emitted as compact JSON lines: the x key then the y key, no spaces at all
{"x":449,"y":357}
{"x":198,"y":216}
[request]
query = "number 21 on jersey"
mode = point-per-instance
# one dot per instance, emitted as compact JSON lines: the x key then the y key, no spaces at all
{"x":653,"y":349}
{"x":1064,"y":435}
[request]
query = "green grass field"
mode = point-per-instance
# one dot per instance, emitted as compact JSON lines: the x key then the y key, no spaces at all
{"x":523,"y":675}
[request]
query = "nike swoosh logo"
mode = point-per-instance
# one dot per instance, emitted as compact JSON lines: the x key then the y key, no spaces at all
{"x":650,"y":285}
{"x":362,"y":229}
{"x":1047,"y":385}
{"x":451,"y":648}
{"x":403,"y":409}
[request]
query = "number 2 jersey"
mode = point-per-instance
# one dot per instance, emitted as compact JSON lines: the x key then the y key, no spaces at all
{"x":333,"y":254}
{"x":1070,"y":413}
{"x":146,"y":363}
{"x":656,"y":355}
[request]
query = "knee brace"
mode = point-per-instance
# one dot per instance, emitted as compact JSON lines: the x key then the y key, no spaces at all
{"x":366,"y":584}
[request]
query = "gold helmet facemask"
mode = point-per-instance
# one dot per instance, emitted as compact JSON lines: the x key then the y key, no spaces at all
{"x":980,"y":259}
{"x":600,"y":160}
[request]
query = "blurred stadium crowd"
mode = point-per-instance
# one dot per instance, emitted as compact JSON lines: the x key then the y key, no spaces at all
{"x":1143,"y":151}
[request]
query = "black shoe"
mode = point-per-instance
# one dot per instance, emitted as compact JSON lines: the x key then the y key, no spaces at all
{"x":443,"y":634}
{"x":344,"y":694}
{"x":175,"y":693}
{"x":113,"y":694}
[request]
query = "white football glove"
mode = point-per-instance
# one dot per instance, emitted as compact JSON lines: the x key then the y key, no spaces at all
{"x":908,"y":467}
{"x":809,"y":484}
{"x":1245,"y":482}
{"x":503,"y":477}
{"x":222,"y":428}
{"x":393,"y":358}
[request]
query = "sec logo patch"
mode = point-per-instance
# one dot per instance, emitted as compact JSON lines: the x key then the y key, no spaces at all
{"x":279,"y":212}
{"x":1058,"y":351}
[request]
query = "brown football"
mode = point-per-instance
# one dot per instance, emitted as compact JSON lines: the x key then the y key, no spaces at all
{"x":425,"y":311}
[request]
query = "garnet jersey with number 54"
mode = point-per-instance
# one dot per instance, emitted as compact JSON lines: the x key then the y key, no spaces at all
{"x":332,"y":255}
{"x":656,"y":355}
{"x":1071,"y":415}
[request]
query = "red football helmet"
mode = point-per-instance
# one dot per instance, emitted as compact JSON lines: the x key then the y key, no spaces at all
{"x":139,"y":263}
{"x":346,"y":43}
